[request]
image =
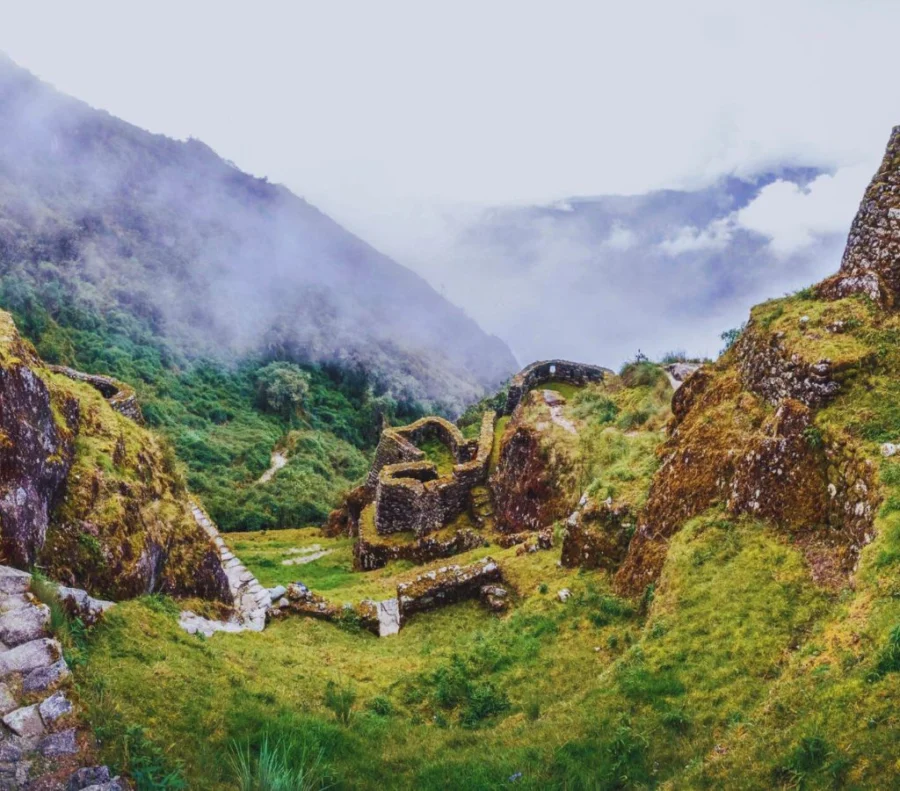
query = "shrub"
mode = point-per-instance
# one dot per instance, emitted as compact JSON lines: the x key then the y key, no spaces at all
{"x":339,"y":699}
{"x":381,"y":706}
{"x":730,"y":337}
{"x":889,"y":658}
{"x":277,"y":766}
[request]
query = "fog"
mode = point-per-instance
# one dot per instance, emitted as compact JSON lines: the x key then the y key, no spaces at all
{"x":416,"y":124}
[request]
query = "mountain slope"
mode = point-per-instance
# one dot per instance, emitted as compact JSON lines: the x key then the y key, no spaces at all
{"x":221,"y":263}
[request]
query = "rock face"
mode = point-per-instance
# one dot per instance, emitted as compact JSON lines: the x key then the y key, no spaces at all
{"x":726,"y":448}
{"x":107,"y":513}
{"x":871,"y":262}
{"x":525,"y":485}
{"x":36,"y":448}
{"x":597,"y":535}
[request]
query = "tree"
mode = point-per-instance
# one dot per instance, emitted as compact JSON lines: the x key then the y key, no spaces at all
{"x":282,"y":388}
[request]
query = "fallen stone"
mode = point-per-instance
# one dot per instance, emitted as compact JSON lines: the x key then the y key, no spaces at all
{"x":564,"y":595}
{"x":25,"y":722}
{"x":277,"y":592}
{"x":87,"y":777}
{"x":62,"y":743}
{"x":54,"y":707}
{"x":24,"y":625}
{"x":889,"y":449}
{"x":45,"y":677}
{"x":30,"y":656}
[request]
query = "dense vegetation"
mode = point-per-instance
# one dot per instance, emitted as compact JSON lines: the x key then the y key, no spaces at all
{"x":224,"y":420}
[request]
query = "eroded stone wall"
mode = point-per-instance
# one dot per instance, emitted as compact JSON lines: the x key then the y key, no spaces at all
{"x":411,"y":497}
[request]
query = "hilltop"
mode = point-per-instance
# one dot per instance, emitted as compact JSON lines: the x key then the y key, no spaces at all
{"x":99,"y":216}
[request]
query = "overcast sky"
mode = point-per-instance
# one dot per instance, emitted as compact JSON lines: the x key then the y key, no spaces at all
{"x":398,"y":118}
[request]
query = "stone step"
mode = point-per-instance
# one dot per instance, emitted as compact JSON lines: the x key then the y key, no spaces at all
{"x":24,"y":625}
{"x":13,"y":582}
{"x":30,"y":656}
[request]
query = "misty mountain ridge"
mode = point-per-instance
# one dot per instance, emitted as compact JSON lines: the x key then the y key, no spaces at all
{"x":662,"y":270}
{"x":218,"y":262}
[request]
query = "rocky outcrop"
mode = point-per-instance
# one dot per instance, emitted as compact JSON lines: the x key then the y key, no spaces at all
{"x":774,"y":373}
{"x":871,"y":262}
{"x":526,"y":487}
{"x":597,"y":535}
{"x":107,"y":513}
{"x":37,"y":440}
{"x":727,"y":449}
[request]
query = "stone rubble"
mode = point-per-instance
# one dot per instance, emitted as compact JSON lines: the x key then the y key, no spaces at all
{"x":251,"y":600}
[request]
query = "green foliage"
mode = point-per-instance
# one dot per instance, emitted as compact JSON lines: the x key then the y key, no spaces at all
{"x":814,"y":437}
{"x":282,"y":388}
{"x":889,"y":658}
{"x":224,"y":420}
{"x":277,"y":765}
{"x":70,"y":632}
{"x":381,"y":706}
{"x":339,"y":698}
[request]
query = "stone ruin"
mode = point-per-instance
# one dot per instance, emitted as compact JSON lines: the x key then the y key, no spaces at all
{"x":405,"y":494}
{"x":551,"y":371}
{"x":409,"y":493}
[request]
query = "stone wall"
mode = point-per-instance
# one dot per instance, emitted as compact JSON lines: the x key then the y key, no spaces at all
{"x":446,"y":586}
{"x":410,"y":496}
{"x":551,"y":371}
{"x":871,"y":262}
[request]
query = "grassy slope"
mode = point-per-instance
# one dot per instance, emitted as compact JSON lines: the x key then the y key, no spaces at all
{"x":210,"y":412}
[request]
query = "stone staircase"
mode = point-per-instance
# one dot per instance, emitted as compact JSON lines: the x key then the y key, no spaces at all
{"x":43,"y":741}
{"x":251,"y":600}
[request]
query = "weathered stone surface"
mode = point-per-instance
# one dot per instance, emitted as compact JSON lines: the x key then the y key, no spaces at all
{"x":36,"y":451}
{"x":57,"y":744}
{"x":54,"y":707}
{"x":563,"y":595}
{"x":23,"y":625}
{"x":45,"y":677}
{"x":871,"y":262}
{"x":88,"y":776}
{"x":25,"y":722}
{"x":30,"y":656}
{"x":597,"y":535}
{"x":388,"y":617}
{"x":525,"y":485}
{"x":7,"y":701}
{"x":677,"y":373}
{"x":445,"y":586}
{"x":13,"y":582}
